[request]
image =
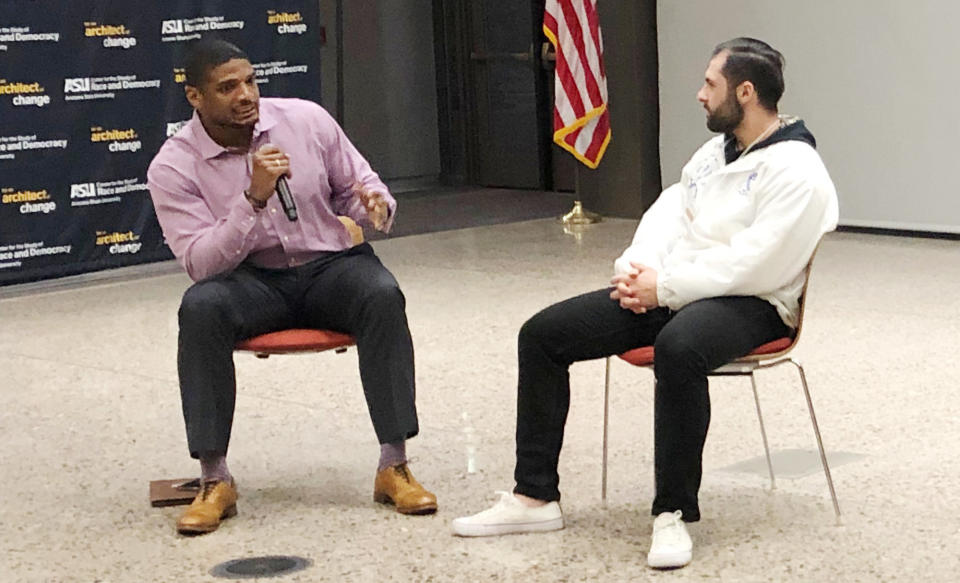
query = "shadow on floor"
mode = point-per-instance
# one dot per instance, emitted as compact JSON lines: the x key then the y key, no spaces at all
{"x":436,"y":210}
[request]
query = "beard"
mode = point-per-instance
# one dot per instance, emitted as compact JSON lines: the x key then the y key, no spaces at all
{"x":228,"y":120}
{"x":247,"y":120}
{"x":241,"y":126}
{"x":727,"y":116}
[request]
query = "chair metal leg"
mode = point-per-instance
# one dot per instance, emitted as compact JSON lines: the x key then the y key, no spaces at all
{"x":816,"y":431}
{"x":606,"y":409}
{"x":763,"y":432}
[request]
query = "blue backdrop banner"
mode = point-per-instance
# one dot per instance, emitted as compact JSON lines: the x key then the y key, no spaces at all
{"x":89,"y":90}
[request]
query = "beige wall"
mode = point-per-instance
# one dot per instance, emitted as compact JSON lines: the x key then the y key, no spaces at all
{"x":876,"y":81}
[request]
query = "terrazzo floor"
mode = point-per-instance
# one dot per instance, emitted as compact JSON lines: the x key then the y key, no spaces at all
{"x":90,"y":413}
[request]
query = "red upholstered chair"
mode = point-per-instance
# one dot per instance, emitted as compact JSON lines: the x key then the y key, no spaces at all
{"x":297,"y":340}
{"x":766,"y":356}
{"x":291,"y":341}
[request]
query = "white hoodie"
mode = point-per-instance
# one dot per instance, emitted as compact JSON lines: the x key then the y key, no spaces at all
{"x":747,"y":228}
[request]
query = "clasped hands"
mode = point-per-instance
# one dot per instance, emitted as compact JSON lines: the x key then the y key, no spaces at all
{"x":636,"y":289}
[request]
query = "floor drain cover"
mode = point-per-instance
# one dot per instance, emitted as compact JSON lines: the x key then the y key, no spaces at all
{"x":259,"y":567}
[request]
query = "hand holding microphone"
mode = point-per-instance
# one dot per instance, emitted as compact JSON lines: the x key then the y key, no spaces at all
{"x":269,"y":168}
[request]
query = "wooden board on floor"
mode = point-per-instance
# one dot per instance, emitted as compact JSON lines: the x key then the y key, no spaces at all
{"x":173,"y":492}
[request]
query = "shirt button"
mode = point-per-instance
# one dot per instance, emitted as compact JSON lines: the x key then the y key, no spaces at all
{"x":238,"y":252}
{"x":285,"y":238}
{"x":293,"y":262}
{"x":273,"y":211}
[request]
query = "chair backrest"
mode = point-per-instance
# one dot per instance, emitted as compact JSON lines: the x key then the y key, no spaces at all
{"x":356,"y":232}
{"x":803,"y":305}
{"x":803,"y":292}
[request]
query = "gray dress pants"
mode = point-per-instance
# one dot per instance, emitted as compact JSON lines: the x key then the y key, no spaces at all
{"x":348,"y":291}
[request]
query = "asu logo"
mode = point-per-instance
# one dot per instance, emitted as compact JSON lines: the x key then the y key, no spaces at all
{"x":171,"y":27}
{"x":85,"y":190}
{"x":77,"y":85}
{"x":174,"y":127}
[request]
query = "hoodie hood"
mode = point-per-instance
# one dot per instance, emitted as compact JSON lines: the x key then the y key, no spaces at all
{"x":794,"y":130}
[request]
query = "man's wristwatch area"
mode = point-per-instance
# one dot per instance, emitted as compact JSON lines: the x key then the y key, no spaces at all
{"x":258,"y":205}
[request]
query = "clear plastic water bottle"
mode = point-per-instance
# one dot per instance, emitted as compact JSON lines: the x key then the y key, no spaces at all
{"x":470,"y":443}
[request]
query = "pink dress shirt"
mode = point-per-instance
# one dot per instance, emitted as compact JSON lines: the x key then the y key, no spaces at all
{"x":197,"y":190}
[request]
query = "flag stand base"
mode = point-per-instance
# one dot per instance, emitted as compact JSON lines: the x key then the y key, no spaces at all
{"x":578,"y":216}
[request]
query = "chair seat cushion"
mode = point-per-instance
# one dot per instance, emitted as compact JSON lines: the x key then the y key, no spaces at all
{"x":643,"y":356}
{"x":295,"y":340}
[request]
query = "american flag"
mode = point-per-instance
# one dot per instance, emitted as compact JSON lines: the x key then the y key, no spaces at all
{"x":581,"y":122}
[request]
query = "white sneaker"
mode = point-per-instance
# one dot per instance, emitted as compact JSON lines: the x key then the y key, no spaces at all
{"x":510,"y":516}
{"x":671,"y":546}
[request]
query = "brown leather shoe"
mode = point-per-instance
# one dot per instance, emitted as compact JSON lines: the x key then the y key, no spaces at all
{"x":216,"y":501}
{"x":397,"y":485}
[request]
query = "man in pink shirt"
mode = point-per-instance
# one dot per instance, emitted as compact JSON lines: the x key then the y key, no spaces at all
{"x":256,"y":271}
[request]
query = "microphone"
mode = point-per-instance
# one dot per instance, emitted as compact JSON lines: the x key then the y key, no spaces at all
{"x":286,"y":199}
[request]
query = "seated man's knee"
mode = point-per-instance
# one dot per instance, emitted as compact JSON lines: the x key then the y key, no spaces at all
{"x":385,"y":296}
{"x":538,"y":329}
{"x":675,"y":348}
{"x":201,"y":302}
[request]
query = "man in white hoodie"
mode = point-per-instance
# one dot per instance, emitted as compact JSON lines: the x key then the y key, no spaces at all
{"x":715,"y":269}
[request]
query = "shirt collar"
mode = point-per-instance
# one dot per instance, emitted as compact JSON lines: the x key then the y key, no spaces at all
{"x":210,"y":149}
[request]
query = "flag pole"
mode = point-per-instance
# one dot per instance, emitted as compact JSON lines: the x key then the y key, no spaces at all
{"x":581,"y":121}
{"x":578,"y":216}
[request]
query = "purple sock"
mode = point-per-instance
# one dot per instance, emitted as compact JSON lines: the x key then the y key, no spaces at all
{"x":214,"y":469}
{"x":392,"y":454}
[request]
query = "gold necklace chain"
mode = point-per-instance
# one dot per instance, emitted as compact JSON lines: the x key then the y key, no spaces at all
{"x":761,"y":136}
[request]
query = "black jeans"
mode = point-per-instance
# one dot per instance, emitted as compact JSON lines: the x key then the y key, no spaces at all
{"x":348,"y":291}
{"x":689,"y":343}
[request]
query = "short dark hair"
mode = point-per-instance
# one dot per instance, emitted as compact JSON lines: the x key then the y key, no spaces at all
{"x":749,"y":59}
{"x":208,"y":54}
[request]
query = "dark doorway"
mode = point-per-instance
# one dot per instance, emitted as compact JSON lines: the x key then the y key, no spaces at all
{"x":504,"y":67}
{"x":495,"y":94}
